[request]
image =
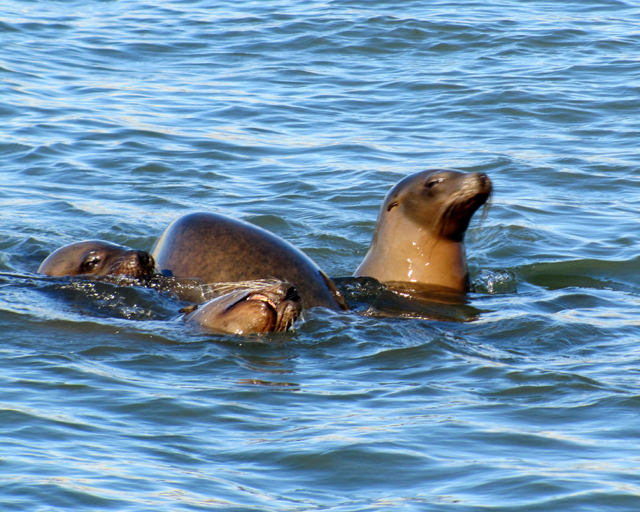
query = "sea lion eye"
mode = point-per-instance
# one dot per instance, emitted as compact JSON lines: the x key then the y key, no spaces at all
{"x":392,"y":205}
{"x":91,"y":262}
{"x":433,"y":182}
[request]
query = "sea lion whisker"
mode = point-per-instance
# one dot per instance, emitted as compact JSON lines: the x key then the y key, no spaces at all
{"x":263,"y":298}
{"x":485,"y":209}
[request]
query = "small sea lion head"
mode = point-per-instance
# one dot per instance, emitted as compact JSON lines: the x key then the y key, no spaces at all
{"x":249,"y":307}
{"x":97,"y":258}
{"x":442,"y":201}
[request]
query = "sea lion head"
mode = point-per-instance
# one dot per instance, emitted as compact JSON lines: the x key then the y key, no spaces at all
{"x":419,"y":236}
{"x":441,"y":201}
{"x":97,"y":258}
{"x":250,"y":307}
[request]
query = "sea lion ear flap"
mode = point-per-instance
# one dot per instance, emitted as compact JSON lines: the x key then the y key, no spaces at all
{"x":334,"y":291}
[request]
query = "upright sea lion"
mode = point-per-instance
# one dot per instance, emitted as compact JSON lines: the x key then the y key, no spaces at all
{"x":97,"y":258}
{"x":216,"y":248}
{"x":253,"y":307}
{"x":419,"y":236}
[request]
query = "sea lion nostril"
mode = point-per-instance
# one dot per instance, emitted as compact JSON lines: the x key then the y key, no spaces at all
{"x":143,"y":258}
{"x":292,"y":294}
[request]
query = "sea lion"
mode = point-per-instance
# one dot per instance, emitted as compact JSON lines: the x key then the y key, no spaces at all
{"x":254,"y":307}
{"x":216,"y":248}
{"x":419,"y":235}
{"x":97,"y":258}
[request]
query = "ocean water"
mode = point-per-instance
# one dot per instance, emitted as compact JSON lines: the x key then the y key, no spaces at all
{"x":118,"y":117}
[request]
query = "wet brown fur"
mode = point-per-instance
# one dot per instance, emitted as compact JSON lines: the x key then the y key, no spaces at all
{"x":216,"y":248}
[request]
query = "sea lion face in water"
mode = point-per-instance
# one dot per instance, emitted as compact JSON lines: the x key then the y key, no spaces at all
{"x":255,"y":307}
{"x":97,"y":258}
{"x":419,"y":235}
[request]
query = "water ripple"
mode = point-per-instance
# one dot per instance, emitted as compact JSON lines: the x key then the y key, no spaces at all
{"x":299,"y":118}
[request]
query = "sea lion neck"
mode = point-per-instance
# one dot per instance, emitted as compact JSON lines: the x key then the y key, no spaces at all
{"x":416,"y":256}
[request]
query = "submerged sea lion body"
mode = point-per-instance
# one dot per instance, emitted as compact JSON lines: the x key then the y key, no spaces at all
{"x":216,"y":248}
{"x":255,"y":307}
{"x":419,"y":236}
{"x":97,"y":258}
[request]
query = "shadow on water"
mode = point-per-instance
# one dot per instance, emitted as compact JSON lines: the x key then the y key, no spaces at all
{"x":102,"y":297}
{"x":160,"y":298}
{"x":583,"y":273}
{"x":369,"y":297}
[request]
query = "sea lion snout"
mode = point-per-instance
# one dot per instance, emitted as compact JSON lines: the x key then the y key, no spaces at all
{"x":134,"y":262}
{"x":483,"y":183}
{"x":473,"y":191}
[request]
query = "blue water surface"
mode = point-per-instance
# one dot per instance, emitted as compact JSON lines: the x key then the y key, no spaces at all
{"x":118,"y":117}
